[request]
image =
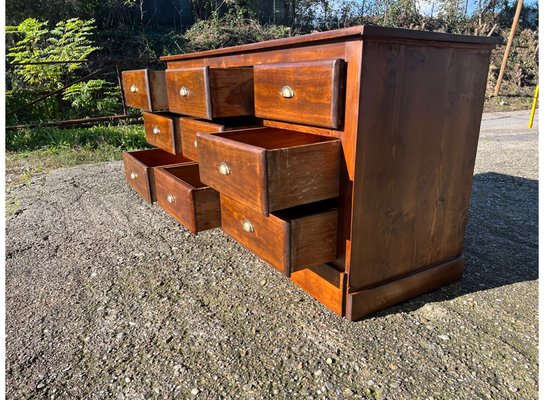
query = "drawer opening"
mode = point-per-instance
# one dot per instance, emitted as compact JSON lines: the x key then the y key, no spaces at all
{"x":306,"y":210}
{"x":157,"y":157}
{"x":186,"y":174}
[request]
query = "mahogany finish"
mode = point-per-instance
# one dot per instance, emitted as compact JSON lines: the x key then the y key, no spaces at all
{"x":209,"y":93}
{"x":181,"y":194}
{"x":382,"y":122}
{"x":285,"y":168}
{"x":145,"y":89}
{"x":291,"y":240}
{"x":140,"y":169}
{"x":163,"y":131}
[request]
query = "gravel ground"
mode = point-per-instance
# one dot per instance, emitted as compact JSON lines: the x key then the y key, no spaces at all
{"x":107,"y":297}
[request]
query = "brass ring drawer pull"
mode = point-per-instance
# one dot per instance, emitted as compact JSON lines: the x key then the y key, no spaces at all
{"x":183,"y":92}
{"x":247,"y":226}
{"x":156,"y":130}
{"x":170,"y":198}
{"x":287,"y":92}
{"x":133,"y":175}
{"x":223,"y":169}
{"x":134,"y":88}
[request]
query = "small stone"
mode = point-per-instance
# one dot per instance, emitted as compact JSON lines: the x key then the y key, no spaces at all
{"x":300,"y":365}
{"x":329,"y":361}
{"x":263,"y":283}
{"x":393,"y":367}
{"x":348,"y":392}
{"x":394,"y":385}
{"x":40,"y":385}
{"x":176,"y":332}
{"x":247,"y":387}
{"x":443,"y":337}
{"x":93,"y":274}
{"x":132,"y":323}
{"x":194,"y":391}
{"x":318,"y":372}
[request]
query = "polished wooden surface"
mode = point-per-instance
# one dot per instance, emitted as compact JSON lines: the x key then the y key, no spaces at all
{"x":306,"y":100}
{"x":285,"y":168}
{"x":140,"y":169}
{"x":209,"y":93}
{"x":181,"y":194}
{"x":145,"y":89}
{"x":162,"y":131}
{"x":283,"y":239}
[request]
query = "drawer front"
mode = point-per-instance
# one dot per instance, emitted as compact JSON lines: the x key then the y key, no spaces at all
{"x":195,"y":207}
{"x":136,"y":89}
{"x":308,"y":93}
{"x":270,"y":169}
{"x":140,"y":169}
{"x":289,"y":241}
{"x":190,"y":127}
{"x":162,"y":131}
{"x":188,"y":91}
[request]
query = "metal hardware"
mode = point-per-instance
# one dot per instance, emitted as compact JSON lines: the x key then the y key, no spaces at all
{"x":170,"y":198}
{"x":133,"y":88}
{"x":247,"y":226}
{"x":223,"y":169}
{"x":287,"y":92}
{"x":156,"y":130}
{"x":183,"y":92}
{"x":133,"y":175}
{"x":195,"y":143}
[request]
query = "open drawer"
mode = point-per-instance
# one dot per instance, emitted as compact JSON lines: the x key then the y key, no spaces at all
{"x":140,"y":169}
{"x":181,"y":194}
{"x":163,"y":131}
{"x":270,"y":169}
{"x":290,"y":240}
{"x":145,"y":89}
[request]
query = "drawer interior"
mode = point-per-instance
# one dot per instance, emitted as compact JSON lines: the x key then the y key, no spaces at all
{"x":186,"y":173}
{"x":157,"y":157}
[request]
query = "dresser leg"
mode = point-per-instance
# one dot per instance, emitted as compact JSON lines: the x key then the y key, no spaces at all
{"x":367,"y":301}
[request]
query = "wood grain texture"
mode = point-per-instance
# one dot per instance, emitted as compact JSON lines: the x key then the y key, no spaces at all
{"x":414,"y":168}
{"x":325,"y":284}
{"x":368,"y":301}
{"x":285,"y":168}
{"x":140,"y":169}
{"x":317,"y":102}
{"x":181,"y":194}
{"x":289,"y":240}
{"x":145,"y":89}
{"x":162,"y":131}
{"x":211,"y":92}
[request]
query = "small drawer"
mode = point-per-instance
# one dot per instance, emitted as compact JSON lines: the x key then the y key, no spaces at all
{"x":290,"y":240}
{"x":145,"y":89}
{"x":190,"y":126}
{"x":140,"y":169}
{"x":270,"y":169}
{"x":163,"y":131}
{"x":181,"y":194}
{"x":309,"y":93}
{"x":210,"y":92}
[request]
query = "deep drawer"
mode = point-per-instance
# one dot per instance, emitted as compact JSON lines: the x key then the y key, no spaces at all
{"x":140,"y":169}
{"x":210,"y":92}
{"x":181,"y":194}
{"x":289,"y":240}
{"x":309,"y":93}
{"x":145,"y":89}
{"x":190,"y":127}
{"x":163,"y":131}
{"x":270,"y":169}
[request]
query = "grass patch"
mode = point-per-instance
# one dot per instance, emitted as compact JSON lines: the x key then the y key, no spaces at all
{"x":30,"y":152}
{"x":12,"y":206}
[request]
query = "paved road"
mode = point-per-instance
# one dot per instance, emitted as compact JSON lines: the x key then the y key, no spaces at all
{"x":107,"y":297}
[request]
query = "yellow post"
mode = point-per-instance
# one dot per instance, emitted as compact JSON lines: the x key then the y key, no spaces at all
{"x":533,"y":108}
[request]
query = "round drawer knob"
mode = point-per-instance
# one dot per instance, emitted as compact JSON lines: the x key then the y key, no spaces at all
{"x":156,"y":130}
{"x":247,"y":226}
{"x":133,"y":88}
{"x":170,"y":198}
{"x":223,"y":169}
{"x":133,"y":175}
{"x":287,"y":92}
{"x":183,"y":92}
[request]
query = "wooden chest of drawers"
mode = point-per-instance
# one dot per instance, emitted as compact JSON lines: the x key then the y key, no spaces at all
{"x":352,"y":175}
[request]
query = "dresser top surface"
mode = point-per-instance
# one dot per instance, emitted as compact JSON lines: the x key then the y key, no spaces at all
{"x":356,"y":32}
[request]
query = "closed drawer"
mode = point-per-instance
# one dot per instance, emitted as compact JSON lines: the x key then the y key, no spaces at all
{"x":270,"y":169}
{"x":210,"y":92}
{"x":140,"y":169}
{"x":190,"y":127}
{"x":163,"y":131}
{"x":145,"y":89}
{"x":290,"y":240}
{"x":308,"y":93}
{"x":181,"y":194}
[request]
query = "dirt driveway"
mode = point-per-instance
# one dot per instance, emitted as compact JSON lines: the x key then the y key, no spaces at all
{"x":107,"y":297}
